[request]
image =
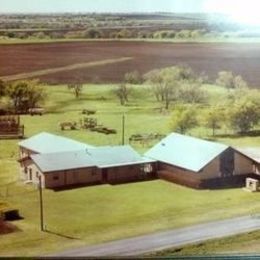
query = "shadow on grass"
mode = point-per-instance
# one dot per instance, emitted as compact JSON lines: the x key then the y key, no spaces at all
{"x":60,"y":235}
{"x":232,"y":182}
{"x":75,"y":186}
{"x":78,"y":186}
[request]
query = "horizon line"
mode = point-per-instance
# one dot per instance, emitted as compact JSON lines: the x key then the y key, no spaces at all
{"x":107,"y":12}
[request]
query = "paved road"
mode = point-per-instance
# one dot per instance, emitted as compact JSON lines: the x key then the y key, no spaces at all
{"x":173,"y":238}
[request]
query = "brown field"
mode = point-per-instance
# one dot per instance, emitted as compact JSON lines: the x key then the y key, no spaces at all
{"x":28,"y":59}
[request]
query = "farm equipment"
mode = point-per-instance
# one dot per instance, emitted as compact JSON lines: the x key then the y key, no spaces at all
{"x":68,"y":126}
{"x":36,"y":111}
{"x":91,"y":124}
{"x":145,"y":137}
{"x":88,"y":112}
{"x":88,"y":123}
{"x":104,"y":130}
{"x":10,"y":127}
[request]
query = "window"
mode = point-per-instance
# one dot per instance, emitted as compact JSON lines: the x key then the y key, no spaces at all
{"x":25,"y":170}
{"x":37,"y":174}
{"x":55,"y":177}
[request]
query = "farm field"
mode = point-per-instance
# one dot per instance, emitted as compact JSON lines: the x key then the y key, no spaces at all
{"x":90,"y":215}
{"x":242,"y":59}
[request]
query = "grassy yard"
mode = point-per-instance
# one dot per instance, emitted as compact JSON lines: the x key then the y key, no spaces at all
{"x":101,"y":213}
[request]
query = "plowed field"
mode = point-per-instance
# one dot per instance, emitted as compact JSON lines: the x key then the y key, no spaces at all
{"x":28,"y":59}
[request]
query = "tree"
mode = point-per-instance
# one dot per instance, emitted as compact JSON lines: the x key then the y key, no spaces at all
{"x":92,"y":34}
{"x":165,"y":83}
{"x":124,"y":33}
{"x":244,"y":114}
{"x":191,"y":92}
{"x":225,"y":79}
{"x":133,"y":77}
{"x":183,"y":119}
{"x":240,"y":83}
{"x":122,"y":92}
{"x":25,"y":94}
{"x":76,"y":89}
{"x":213,"y":117}
{"x":229,"y":81}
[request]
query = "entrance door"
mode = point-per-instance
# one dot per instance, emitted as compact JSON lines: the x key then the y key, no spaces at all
{"x":30,"y":174}
{"x":104,"y":175}
{"x":227,"y":163}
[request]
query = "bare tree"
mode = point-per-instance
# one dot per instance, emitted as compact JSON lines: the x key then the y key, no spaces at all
{"x":122,"y":91}
{"x":165,"y":83}
{"x":76,"y":88}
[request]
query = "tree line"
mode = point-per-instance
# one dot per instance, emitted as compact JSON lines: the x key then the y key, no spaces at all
{"x":125,"y":33}
{"x":178,"y":89}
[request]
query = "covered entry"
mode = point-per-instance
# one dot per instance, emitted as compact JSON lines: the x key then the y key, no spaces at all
{"x":227,"y":163}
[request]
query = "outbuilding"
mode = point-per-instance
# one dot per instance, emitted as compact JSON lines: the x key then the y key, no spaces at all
{"x":200,"y":163}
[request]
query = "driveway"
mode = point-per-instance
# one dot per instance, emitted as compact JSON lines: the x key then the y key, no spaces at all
{"x":172,"y":238}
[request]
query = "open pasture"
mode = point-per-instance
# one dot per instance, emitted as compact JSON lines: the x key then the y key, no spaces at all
{"x":90,"y":215}
{"x":210,"y":58}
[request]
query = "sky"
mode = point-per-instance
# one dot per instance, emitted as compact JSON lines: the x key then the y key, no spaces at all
{"x":24,"y":6}
{"x":243,"y":11}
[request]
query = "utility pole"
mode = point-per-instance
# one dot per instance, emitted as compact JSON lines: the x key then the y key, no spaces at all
{"x":123,"y":129}
{"x":41,"y":203}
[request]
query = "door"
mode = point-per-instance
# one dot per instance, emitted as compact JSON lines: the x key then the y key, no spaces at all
{"x":30,"y":174}
{"x":227,"y":163}
{"x":104,"y":175}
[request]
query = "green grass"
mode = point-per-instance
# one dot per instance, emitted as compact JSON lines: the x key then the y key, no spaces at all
{"x":102,"y":213}
{"x":240,"y":244}
{"x":231,"y":39}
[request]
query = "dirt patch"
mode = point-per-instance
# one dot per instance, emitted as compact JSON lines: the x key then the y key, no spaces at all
{"x":243,"y":59}
{"x":39,"y":73}
{"x":6,"y":227}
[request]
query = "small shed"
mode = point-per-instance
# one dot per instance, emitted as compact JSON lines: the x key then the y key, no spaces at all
{"x":252,"y":184}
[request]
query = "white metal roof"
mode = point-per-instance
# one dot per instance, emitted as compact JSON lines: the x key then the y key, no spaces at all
{"x":251,"y":152}
{"x":109,"y":156}
{"x":101,"y":157}
{"x":62,"y":161}
{"x":186,"y":152}
{"x":50,"y":143}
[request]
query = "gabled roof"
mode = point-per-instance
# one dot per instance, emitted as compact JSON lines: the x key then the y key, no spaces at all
{"x":112,"y":156}
{"x":62,"y":161}
{"x":252,"y":153}
{"x":101,"y":157}
{"x":186,"y":152}
{"x":50,"y":143}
